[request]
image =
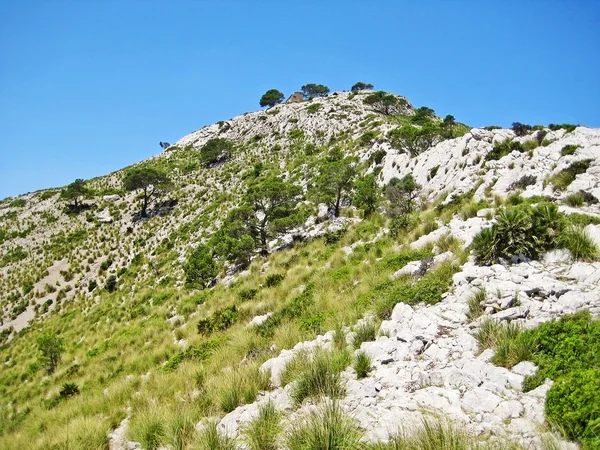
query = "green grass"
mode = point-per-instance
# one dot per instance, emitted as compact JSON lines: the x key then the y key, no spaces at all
{"x":580,"y":244}
{"x":262,"y":433}
{"x":565,"y":177}
{"x":362,"y":364}
{"x":327,"y":429}
{"x":475,"y":303}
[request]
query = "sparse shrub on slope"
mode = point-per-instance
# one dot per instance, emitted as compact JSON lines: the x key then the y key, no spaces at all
{"x":503,"y":148}
{"x":215,"y":150}
{"x":201,"y":268}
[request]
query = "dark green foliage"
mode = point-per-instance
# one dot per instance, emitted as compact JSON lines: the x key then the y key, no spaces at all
{"x":503,"y":148}
{"x":106,"y":264}
{"x":573,"y":406}
{"x":399,"y":224}
{"x":235,"y":240}
{"x":313,"y":108}
{"x":567,"y":351}
{"x":521,"y":129}
{"x":111,"y":283}
{"x":17,"y":203}
{"x":360,"y":86}
{"x":74,"y":192}
{"x":150,"y":180}
{"x":523,"y":182}
{"x":215,"y":150}
{"x":415,"y":139}
{"x":565,"y":177}
{"x":566,"y":126}
{"x":274,"y":279}
{"x":519,"y":230}
{"x":51,"y":348}
{"x":312,"y":90}
{"x":377,"y":156}
{"x":201,"y":268}
{"x":220,"y":320}
{"x":247,"y":294}
{"x":367,"y":194}
{"x":68,"y":390}
{"x":270,"y":208}
{"x":197,"y":353}
{"x":423,"y":115}
{"x":92,"y":284}
{"x":383,"y":103}
{"x":402,"y":194}
{"x":335,"y":181}
{"x":271,"y":98}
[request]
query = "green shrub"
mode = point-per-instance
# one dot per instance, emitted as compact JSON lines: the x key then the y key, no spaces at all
{"x":362,"y":364}
{"x":200,"y":268}
{"x":377,"y":156}
{"x":274,"y":279}
{"x":215,"y":150}
{"x":569,"y":149}
{"x":220,"y":320}
{"x":17,"y":203}
{"x":519,"y":230}
{"x":247,"y":294}
{"x":523,"y":182}
{"x":68,"y":390}
{"x":313,"y":108}
{"x":327,"y":429}
{"x":503,"y":148}
{"x":566,"y":126}
{"x":573,"y":406}
{"x":398,"y":260}
{"x":565,"y":177}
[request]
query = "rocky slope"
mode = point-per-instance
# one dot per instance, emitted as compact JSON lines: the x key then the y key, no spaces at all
{"x":426,"y":359}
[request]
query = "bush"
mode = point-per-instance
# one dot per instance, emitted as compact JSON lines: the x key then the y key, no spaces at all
{"x":521,"y":129}
{"x":201,"y":268}
{"x":68,"y":390}
{"x":362,"y":364}
{"x":523,"y":182}
{"x":247,"y":294}
{"x":274,"y":279}
{"x":565,"y":177}
{"x":519,"y":230}
{"x":566,"y":126}
{"x":573,"y":406}
{"x":111,"y":283}
{"x":377,"y":156}
{"x":313,"y":108}
{"x":569,"y":149}
{"x":215,"y":150}
{"x":503,"y":148}
{"x":220,"y":320}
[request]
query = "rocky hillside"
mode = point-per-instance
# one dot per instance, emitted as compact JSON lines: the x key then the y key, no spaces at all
{"x":386,"y":274}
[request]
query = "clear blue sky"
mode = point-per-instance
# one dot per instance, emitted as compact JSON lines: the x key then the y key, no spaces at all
{"x":90,"y":86}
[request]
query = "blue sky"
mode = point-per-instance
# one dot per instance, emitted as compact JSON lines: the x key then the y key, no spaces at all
{"x":88,"y":86}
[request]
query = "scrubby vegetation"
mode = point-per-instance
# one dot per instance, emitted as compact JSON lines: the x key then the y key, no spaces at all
{"x":530,"y":231}
{"x":567,"y":351}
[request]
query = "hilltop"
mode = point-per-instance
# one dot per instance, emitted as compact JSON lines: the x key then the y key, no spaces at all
{"x":413,"y":266}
